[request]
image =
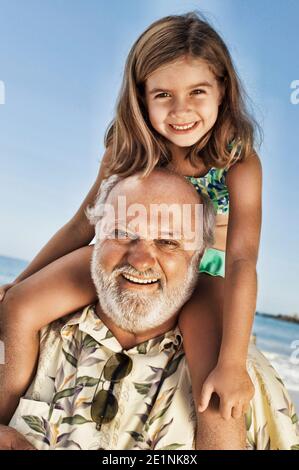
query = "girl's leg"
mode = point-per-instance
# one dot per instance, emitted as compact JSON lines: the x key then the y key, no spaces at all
{"x":200,"y":322}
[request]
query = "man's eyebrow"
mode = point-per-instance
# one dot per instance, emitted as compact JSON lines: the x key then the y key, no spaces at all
{"x":197,"y":85}
{"x":168,"y":234}
{"x":160,"y":233}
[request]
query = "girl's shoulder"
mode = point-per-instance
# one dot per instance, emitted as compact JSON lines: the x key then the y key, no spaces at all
{"x":244,"y":183}
{"x":249,"y":168}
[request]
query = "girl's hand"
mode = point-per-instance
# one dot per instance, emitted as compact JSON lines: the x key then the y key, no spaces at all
{"x":4,"y":289}
{"x":234,"y":388}
{"x":10,"y":439}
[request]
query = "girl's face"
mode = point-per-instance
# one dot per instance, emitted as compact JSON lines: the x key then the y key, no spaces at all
{"x":184,"y":93}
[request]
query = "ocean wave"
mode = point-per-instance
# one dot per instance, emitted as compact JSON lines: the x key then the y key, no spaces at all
{"x":286,"y":368}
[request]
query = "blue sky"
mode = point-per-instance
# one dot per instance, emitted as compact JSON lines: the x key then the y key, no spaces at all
{"x":62,"y":62}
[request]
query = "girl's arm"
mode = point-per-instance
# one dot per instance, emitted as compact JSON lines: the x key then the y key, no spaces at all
{"x":76,"y":233}
{"x":244,"y":181}
{"x":56,"y":290}
{"x":230,"y":378}
{"x":49,"y":293}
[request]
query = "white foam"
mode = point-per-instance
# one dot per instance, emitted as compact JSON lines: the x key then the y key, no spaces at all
{"x":289,"y":373}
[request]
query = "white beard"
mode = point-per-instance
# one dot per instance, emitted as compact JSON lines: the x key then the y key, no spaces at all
{"x":138,"y":312}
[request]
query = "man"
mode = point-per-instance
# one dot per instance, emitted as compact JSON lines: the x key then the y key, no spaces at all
{"x":114,"y":376}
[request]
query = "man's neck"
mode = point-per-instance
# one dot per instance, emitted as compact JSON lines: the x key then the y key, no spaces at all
{"x":129,"y":340}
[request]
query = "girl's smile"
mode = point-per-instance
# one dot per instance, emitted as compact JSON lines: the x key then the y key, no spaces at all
{"x":182,"y":100}
{"x":183,"y":128}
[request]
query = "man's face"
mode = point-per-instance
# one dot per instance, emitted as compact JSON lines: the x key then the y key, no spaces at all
{"x":143,"y":272}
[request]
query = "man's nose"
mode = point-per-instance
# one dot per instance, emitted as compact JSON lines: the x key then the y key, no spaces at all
{"x":141,"y":256}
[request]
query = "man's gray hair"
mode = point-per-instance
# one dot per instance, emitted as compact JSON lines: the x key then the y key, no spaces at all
{"x":94,"y":213}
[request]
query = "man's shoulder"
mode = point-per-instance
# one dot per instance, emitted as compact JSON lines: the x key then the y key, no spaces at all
{"x":53,"y":330}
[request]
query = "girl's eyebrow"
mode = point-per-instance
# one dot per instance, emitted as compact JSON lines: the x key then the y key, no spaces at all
{"x":202,"y":84}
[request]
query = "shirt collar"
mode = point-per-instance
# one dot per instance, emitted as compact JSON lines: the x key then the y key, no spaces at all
{"x":88,"y":322}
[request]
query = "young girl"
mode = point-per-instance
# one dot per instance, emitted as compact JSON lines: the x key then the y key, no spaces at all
{"x":181,"y":107}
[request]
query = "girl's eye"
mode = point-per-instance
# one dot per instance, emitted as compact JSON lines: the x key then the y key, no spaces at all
{"x":161,"y":95}
{"x":196,"y":92}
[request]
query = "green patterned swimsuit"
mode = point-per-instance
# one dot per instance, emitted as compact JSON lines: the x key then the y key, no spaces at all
{"x":214,"y":186}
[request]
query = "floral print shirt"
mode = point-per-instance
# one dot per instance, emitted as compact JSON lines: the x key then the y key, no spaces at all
{"x":156,"y":409}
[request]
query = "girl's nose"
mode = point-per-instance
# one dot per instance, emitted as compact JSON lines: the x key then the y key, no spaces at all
{"x":141,"y":256}
{"x":180,"y":108}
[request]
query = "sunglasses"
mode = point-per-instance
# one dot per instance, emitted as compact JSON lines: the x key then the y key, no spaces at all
{"x":104,"y":404}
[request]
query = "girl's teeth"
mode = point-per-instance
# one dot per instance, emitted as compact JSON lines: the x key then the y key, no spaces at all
{"x":179,"y":128}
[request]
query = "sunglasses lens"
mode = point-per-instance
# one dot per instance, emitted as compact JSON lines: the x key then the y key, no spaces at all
{"x":118,"y":367}
{"x":104,"y":407}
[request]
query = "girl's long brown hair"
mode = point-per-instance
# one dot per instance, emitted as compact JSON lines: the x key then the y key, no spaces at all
{"x":134,"y":144}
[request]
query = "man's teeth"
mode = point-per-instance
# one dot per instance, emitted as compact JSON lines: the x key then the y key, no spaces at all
{"x":139,"y":281}
{"x":179,"y":128}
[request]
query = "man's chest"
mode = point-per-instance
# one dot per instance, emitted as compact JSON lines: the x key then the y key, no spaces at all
{"x":154,"y":402}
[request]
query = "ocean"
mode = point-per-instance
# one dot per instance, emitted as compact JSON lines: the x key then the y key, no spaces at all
{"x":10,"y":268}
{"x":274,"y":337}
